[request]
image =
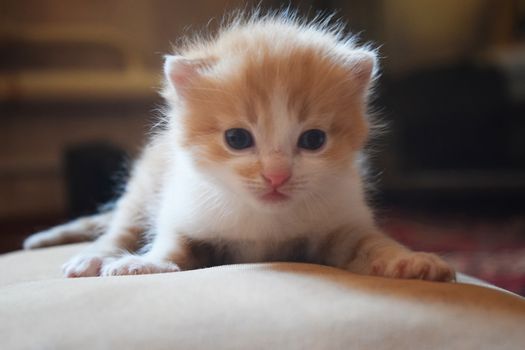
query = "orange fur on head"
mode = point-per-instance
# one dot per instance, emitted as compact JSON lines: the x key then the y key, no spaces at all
{"x":273,"y":77}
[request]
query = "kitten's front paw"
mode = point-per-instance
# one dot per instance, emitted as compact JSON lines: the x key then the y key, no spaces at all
{"x":137,"y":265}
{"x":414,"y":265}
{"x":84,"y":265}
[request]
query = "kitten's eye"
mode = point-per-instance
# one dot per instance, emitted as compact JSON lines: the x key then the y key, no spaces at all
{"x":312,"y":139}
{"x":238,"y":138}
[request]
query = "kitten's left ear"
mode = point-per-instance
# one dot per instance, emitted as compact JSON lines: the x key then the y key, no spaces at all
{"x":363,"y":66}
{"x":179,"y":71}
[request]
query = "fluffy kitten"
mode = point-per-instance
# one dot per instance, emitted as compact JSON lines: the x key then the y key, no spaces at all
{"x":259,"y":161}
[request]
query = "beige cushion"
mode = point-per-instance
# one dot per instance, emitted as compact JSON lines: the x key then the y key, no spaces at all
{"x":258,"y":306}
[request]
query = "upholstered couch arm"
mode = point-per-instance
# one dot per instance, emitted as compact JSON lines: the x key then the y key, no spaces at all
{"x":257,"y":306}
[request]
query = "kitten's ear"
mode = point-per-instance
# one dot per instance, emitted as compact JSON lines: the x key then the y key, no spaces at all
{"x":363,"y":65}
{"x":179,"y":71}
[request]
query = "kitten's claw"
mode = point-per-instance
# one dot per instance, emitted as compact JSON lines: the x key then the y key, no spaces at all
{"x":83,"y":266}
{"x":137,"y":265}
{"x":414,"y":265}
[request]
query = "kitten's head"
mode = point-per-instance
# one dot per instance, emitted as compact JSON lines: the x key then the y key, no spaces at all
{"x":273,"y":110}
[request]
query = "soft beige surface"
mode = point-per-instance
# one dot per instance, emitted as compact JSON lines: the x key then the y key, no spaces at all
{"x":259,"y":306}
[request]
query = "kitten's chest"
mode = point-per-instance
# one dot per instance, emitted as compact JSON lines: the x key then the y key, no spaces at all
{"x":259,"y":229}
{"x":200,"y":213}
{"x":222,"y":251}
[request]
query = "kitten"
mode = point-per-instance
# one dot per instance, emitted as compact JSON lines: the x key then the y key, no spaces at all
{"x":260,"y":160}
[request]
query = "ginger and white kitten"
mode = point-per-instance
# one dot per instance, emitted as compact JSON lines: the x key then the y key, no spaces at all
{"x":259,"y":161}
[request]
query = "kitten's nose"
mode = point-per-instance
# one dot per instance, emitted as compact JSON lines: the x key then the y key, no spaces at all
{"x":276,"y":179}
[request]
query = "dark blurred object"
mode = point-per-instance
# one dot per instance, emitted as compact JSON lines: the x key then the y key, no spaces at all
{"x":94,"y":173}
{"x":455,"y":118}
{"x":457,"y":134}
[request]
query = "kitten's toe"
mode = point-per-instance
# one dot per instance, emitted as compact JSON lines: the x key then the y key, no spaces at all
{"x":415,"y":265}
{"x":430,"y":267}
{"x":83,"y":266}
{"x":137,"y":265}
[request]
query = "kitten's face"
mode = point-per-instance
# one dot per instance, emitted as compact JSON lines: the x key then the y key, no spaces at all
{"x":276,"y":130}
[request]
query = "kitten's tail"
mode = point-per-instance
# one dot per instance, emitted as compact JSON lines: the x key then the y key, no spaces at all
{"x":83,"y":229}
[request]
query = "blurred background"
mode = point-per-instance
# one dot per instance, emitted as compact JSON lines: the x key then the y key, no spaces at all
{"x":78,"y":82}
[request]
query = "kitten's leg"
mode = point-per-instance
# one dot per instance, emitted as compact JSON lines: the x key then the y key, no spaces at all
{"x":80,"y":230}
{"x":123,"y":234}
{"x":169,"y":251}
{"x":129,"y":219}
{"x":376,"y":254}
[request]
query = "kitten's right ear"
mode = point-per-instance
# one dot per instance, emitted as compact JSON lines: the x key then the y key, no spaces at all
{"x":179,"y":71}
{"x":363,"y":65}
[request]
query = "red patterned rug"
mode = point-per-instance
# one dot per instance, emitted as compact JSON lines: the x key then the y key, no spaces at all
{"x":490,"y":249}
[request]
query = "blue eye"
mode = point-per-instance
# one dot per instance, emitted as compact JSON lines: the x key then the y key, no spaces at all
{"x":238,"y":138}
{"x":312,"y":139}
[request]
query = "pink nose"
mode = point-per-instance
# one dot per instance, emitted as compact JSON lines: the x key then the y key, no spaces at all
{"x":276,"y":179}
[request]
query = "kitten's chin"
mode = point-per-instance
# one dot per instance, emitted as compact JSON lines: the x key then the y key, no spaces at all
{"x":270,"y":201}
{"x":274,"y":197}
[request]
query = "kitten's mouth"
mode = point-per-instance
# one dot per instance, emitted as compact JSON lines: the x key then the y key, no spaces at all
{"x":274,"y":196}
